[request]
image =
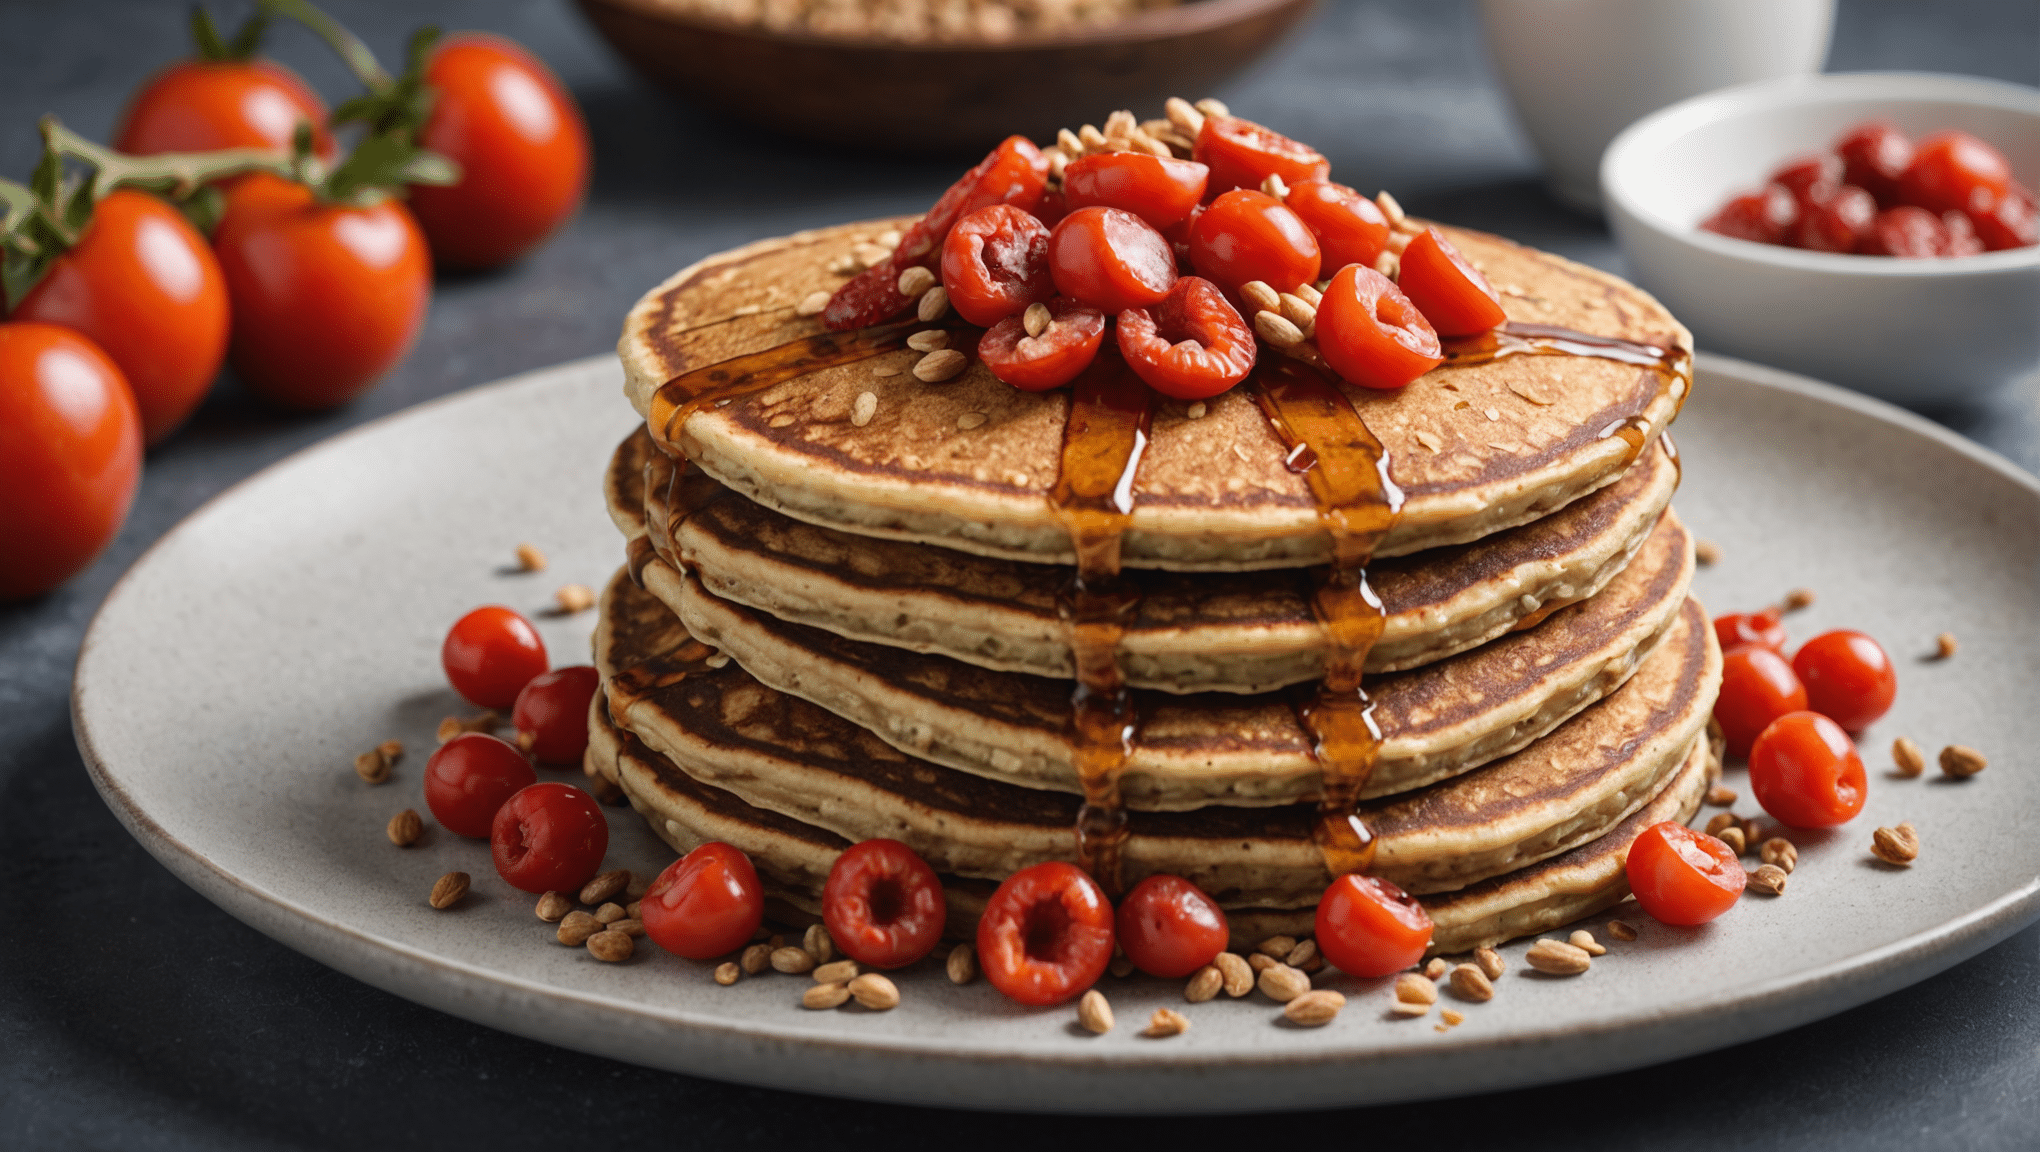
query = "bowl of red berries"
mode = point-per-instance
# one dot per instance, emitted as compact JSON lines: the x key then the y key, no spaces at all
{"x":1874,"y":229}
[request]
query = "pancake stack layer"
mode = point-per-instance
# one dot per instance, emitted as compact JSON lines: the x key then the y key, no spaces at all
{"x":1100,"y":625}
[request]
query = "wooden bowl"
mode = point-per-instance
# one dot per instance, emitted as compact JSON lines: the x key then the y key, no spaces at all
{"x":944,"y":97}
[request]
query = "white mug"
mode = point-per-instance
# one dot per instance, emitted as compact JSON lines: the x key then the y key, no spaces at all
{"x":1579,"y":71}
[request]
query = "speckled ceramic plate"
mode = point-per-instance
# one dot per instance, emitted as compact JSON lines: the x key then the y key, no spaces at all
{"x":295,"y":621}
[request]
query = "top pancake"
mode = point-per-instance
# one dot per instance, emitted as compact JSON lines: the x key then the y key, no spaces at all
{"x":1476,"y":448}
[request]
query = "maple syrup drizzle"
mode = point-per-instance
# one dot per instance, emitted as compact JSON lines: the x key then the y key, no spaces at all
{"x":630,"y":685}
{"x":1347,"y":471}
{"x":1110,"y":413}
{"x":1670,"y":363}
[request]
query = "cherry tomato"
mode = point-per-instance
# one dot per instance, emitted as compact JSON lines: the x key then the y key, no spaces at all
{"x":1037,"y":363}
{"x":490,"y":654}
{"x":521,"y":146}
{"x":1874,"y":155}
{"x":549,"y":838}
{"x":1954,"y":170}
{"x":1805,"y":771}
{"x":70,"y":453}
{"x":143,"y":285}
{"x":1014,"y":173}
{"x":551,"y":715}
{"x":1757,"y":687}
{"x":1447,"y":288}
{"x":202,"y":105}
{"x":707,"y":903}
{"x":995,"y":263}
{"x":1762,"y":628}
{"x":1765,"y":216}
{"x":1848,"y":678}
{"x":1962,"y":237}
{"x":1369,"y":927}
{"x":1169,"y":927}
{"x":1192,"y":345}
{"x":1371,"y":333}
{"x":2013,"y":222}
{"x":1839,"y":223}
{"x":883,"y":905}
{"x":1683,"y":877}
{"x":1110,"y":259}
{"x":1046,"y":934}
{"x":1905,"y":231}
{"x":1241,"y":154}
{"x":1159,"y":190}
{"x":470,"y":777}
{"x":326,"y":297}
{"x":1810,"y":179}
{"x":1349,"y":227}
{"x":1246,"y":235}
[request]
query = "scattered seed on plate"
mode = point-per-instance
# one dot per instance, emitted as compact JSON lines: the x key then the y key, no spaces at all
{"x":1437,"y":968}
{"x":934,"y":304}
{"x":1239,"y":975}
{"x":756,"y":959}
{"x":727,"y":972}
{"x":1411,"y":986}
{"x":1410,"y":1008}
{"x":1315,"y":1008}
{"x":1281,"y":983}
{"x":575,"y":928}
{"x":447,"y":890}
{"x":1452,"y":1017}
{"x":819,"y":943}
{"x":1962,"y":762}
{"x":372,"y":766}
{"x":1735,"y":839}
{"x":875,"y":991}
{"x":1719,"y":797}
{"x":1900,"y":845}
{"x":611,"y":946}
{"x":1706,"y":552}
{"x":1768,"y":879}
{"x":1585,"y":942}
{"x":915,"y":281}
{"x":1944,"y":645}
{"x":1491,"y":963}
{"x":1780,"y":853}
{"x":1798,"y":598}
{"x":939,"y":365}
{"x":1557,"y":958}
{"x":793,"y":961}
{"x":606,"y":887}
{"x":529,"y":558}
{"x":1276,"y":946}
{"x":820,"y":996}
{"x":572,"y":598}
{"x":1906,"y":753}
{"x":610,"y":913}
{"x":405,"y":828}
{"x":1166,"y":1022}
{"x":1205,"y":984}
{"x":835,"y":972}
{"x":929,"y":341}
{"x":961,"y":965}
{"x":1470,"y":982}
{"x":1621,"y":930}
{"x":1094,"y":1012}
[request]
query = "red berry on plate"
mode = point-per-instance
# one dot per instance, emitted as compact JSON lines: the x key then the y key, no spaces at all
{"x":1349,"y":227}
{"x":995,"y":263}
{"x":1765,"y":216}
{"x":1805,"y":771}
{"x":1839,"y":223}
{"x":1110,"y":259}
{"x":469,"y":778}
{"x":1757,"y":687}
{"x":1190,"y":346}
{"x":2013,"y":222}
{"x":1242,"y":154}
{"x":1371,"y":333}
{"x":707,"y":903}
{"x":1169,"y":927}
{"x":1246,"y":235}
{"x":1447,"y":288}
{"x":1849,"y":678}
{"x":883,"y":905}
{"x":1683,"y":877}
{"x":1810,"y":179}
{"x":1369,"y":927}
{"x":549,"y":838}
{"x":490,"y":654}
{"x":1905,"y":231}
{"x":1954,"y":170}
{"x":1051,"y":359}
{"x":551,"y":716}
{"x":1159,"y":190}
{"x":1046,"y":934}
{"x":1763,"y":628}
{"x":1874,"y":155}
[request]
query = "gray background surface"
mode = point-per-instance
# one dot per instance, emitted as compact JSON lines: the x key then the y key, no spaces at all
{"x":133,"y":1014}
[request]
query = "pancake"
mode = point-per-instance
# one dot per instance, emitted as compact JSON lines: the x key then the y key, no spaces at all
{"x":1234,"y":632}
{"x":793,"y":858}
{"x":1436,"y":721}
{"x":724,"y":728}
{"x":968,"y":464}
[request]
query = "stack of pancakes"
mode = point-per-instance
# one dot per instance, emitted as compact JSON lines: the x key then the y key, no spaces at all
{"x":849,"y":626}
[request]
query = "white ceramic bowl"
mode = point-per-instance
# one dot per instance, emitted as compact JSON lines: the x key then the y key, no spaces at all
{"x":1920,"y":332}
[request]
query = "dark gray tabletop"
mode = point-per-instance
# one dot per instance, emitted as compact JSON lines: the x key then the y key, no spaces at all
{"x":134,"y":1014}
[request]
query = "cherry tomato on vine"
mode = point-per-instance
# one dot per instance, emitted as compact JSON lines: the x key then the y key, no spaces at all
{"x":1241,"y":154}
{"x":1765,"y":216}
{"x":1247,"y":235}
{"x":1369,"y":927}
{"x":1050,"y":360}
{"x":1158,"y":189}
{"x":1838,"y":223}
{"x":70,"y":454}
{"x":1954,"y":171}
{"x":1192,"y":345}
{"x":551,"y":715}
{"x":326,"y":297}
{"x":995,"y":263}
{"x":1805,"y":771}
{"x":521,"y":146}
{"x":1874,"y":155}
{"x":549,"y":837}
{"x":707,"y":903}
{"x":1763,"y":628}
{"x":1014,"y":173}
{"x":1110,"y":259}
{"x":469,"y":778}
{"x":1371,"y":333}
{"x":490,"y":654}
{"x":1683,"y":877}
{"x":1904,"y":231}
{"x":143,"y":285}
{"x":883,"y":905}
{"x":1849,"y":678}
{"x":1810,"y":179}
{"x":1447,"y":288}
{"x":1046,"y":934}
{"x":202,"y":105}
{"x":1757,"y":687}
{"x":1350,"y":228}
{"x":1169,"y":927}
